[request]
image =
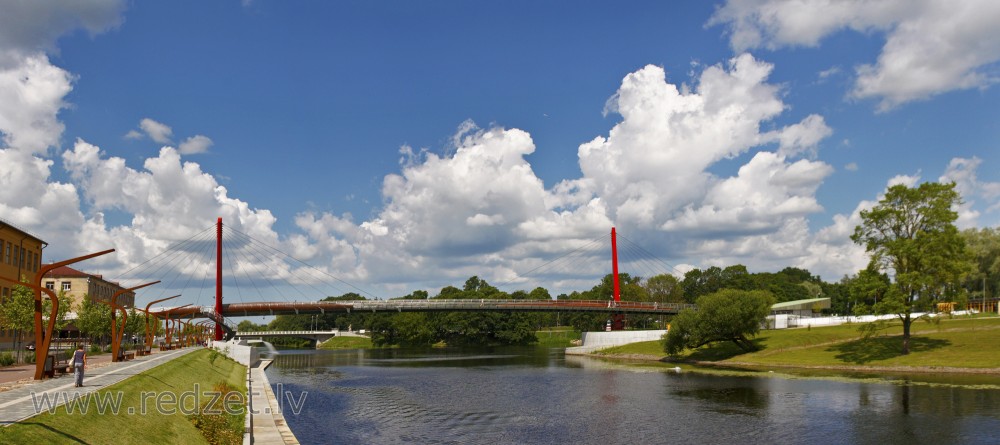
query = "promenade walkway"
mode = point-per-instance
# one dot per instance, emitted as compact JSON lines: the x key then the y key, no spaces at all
{"x":269,"y":427}
{"x":16,"y":404}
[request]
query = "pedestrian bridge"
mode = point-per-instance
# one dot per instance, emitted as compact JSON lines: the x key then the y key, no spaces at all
{"x":316,"y":336}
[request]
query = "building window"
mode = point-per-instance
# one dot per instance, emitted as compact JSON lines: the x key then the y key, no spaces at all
{"x":8,"y":253}
{"x":66,"y":286}
{"x":50,"y":285}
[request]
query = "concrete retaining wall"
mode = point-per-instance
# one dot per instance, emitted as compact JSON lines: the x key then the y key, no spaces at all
{"x":593,"y":341}
{"x":238,"y":350}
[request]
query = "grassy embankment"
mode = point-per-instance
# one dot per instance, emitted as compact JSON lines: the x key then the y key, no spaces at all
{"x":952,"y":343}
{"x":347,"y":343}
{"x":557,"y":337}
{"x":178,"y":376}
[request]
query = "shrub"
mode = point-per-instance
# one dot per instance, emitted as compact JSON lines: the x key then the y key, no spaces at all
{"x":29,"y":357}
{"x":216,"y":423}
{"x":95,"y":349}
{"x":7,"y":359}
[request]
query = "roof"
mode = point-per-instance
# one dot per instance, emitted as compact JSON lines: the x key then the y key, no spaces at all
{"x":66,"y":271}
{"x":806,"y":302}
{"x":5,"y":223}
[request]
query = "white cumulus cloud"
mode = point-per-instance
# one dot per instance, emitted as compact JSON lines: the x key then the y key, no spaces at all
{"x":931,"y":47}
{"x":194,"y":145}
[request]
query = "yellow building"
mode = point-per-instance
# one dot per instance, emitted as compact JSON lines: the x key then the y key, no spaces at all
{"x":20,"y":259}
{"x":75,"y":284}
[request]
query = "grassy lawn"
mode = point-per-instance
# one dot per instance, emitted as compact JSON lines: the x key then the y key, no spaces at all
{"x":347,"y":343}
{"x":960,"y":343}
{"x":558,"y":337}
{"x":177,"y":376}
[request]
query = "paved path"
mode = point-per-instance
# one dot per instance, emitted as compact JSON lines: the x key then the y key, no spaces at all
{"x":17,"y":404}
{"x":13,"y":376}
{"x":269,"y":427}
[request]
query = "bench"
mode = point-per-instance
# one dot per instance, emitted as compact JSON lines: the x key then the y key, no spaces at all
{"x":130,"y":356}
{"x":61,"y":365}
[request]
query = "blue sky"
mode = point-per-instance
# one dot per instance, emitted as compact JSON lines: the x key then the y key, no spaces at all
{"x":409,"y":145}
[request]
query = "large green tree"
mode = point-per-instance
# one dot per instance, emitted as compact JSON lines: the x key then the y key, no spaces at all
{"x":728,"y":315}
{"x":910,"y":234}
{"x":984,"y":246}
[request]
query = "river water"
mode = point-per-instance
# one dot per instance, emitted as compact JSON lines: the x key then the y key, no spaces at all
{"x":541,"y":396}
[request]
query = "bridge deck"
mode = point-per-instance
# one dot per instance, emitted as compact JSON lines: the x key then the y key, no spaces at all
{"x":468,"y":305}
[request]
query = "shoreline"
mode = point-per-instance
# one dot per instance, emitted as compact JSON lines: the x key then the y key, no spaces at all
{"x":942,"y":370}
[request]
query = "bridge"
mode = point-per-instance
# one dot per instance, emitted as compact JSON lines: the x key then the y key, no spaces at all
{"x":180,"y":319}
{"x":434,"y":305}
{"x":316,"y":336}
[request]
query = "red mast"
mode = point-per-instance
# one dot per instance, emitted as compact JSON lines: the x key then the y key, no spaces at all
{"x":218,"y":277}
{"x":617,"y":320}
{"x":614,"y":265}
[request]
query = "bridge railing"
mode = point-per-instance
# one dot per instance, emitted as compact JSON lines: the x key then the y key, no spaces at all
{"x":290,"y":333}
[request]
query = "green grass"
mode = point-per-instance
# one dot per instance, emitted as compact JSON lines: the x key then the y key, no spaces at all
{"x":644,"y":348}
{"x":177,"y":376}
{"x":347,"y":343}
{"x":959,"y":343}
{"x":558,"y":337}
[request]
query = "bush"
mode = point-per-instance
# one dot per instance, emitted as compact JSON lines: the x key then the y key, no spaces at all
{"x":217,"y":424}
{"x":95,"y":349}
{"x":7,"y":359}
{"x":29,"y":357}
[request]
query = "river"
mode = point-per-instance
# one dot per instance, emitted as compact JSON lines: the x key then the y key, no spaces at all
{"x":541,"y":396}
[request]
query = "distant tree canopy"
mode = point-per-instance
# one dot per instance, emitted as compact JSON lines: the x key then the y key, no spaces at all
{"x":787,"y":285}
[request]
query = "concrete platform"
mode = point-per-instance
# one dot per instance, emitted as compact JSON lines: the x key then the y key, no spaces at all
{"x":267,"y":422}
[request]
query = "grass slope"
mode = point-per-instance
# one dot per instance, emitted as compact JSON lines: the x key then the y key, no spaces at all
{"x":347,"y":343}
{"x":953,"y":343}
{"x":176,"y":376}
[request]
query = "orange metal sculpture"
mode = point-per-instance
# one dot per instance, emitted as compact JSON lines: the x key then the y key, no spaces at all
{"x":43,"y":334}
{"x":116,"y":334}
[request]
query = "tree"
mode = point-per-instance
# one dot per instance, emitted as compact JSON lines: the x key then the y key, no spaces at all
{"x":665,"y":288}
{"x":866,"y":289}
{"x":984,"y":246}
{"x":911,"y":235}
{"x":94,"y":319}
{"x":18,"y":313}
{"x":728,"y":315}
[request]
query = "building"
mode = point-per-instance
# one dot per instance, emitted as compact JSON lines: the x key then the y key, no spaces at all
{"x":802,"y":308}
{"x":20,"y":259}
{"x":75,"y":284}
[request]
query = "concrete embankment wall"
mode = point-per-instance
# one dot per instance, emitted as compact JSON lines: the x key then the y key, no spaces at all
{"x":238,"y":350}
{"x":593,"y":341}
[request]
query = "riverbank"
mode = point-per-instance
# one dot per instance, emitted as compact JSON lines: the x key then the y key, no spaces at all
{"x":959,"y":345}
{"x":153,"y":406}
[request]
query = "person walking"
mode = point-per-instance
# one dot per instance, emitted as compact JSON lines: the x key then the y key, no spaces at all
{"x":79,"y":363}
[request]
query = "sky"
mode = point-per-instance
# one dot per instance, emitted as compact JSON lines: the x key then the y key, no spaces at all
{"x":400,"y":145}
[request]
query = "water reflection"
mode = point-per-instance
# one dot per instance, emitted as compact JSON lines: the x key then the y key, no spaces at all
{"x":537,"y":395}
